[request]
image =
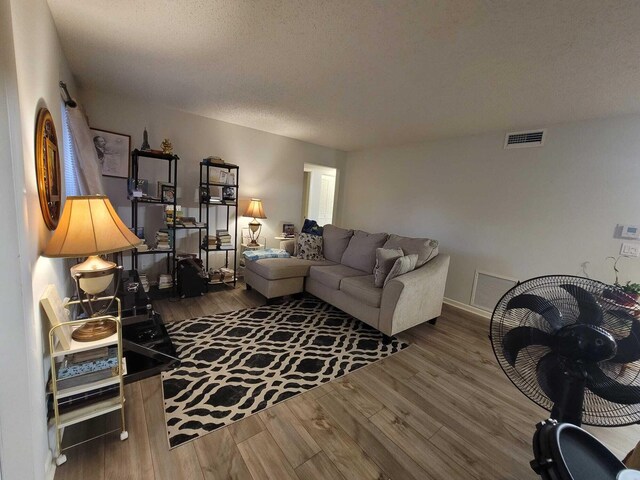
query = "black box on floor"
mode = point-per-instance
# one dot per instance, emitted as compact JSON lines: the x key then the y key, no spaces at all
{"x":192,"y":282}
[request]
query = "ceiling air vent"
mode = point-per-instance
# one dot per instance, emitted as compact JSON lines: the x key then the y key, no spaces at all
{"x":531,"y":138}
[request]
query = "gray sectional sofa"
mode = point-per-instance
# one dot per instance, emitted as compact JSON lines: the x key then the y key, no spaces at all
{"x":345,"y":278}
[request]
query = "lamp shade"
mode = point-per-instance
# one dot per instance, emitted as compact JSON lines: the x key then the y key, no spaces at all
{"x":89,"y":225}
{"x":255,"y":209}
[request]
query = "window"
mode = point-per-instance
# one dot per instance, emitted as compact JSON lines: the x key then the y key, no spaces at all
{"x":71,"y":185}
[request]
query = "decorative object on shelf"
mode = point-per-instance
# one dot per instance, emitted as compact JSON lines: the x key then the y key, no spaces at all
{"x":48,"y":175}
{"x":57,"y":315}
{"x":255,"y":211}
{"x":145,"y":140}
{"x":113,"y":152}
{"x":90,"y":227}
{"x":167,"y":148}
{"x":223,"y":176}
{"x":213,"y":161}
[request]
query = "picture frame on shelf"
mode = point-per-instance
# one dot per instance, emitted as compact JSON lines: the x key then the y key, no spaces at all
{"x":223,"y":177}
{"x":160,"y":185}
{"x":57,"y":314}
{"x":288,"y":230}
{"x":168,"y":193}
{"x":113,"y":151}
{"x":231,"y":179}
{"x":229,"y":193}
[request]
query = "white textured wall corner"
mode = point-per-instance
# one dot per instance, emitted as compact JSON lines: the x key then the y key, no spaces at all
{"x":519,"y":213}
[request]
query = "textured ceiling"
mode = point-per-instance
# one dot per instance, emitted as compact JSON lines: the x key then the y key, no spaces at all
{"x":352,"y":74}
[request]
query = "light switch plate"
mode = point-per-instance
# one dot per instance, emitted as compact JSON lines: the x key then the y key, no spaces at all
{"x":630,"y":250}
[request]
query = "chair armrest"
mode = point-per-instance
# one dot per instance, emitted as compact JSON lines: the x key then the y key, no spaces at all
{"x":414,"y":297}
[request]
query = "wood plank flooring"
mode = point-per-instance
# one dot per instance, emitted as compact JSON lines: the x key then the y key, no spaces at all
{"x":441,"y":409}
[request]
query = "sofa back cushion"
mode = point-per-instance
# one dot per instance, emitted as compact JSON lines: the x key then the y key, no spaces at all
{"x":335,"y":240}
{"x":425,"y":248}
{"x":361,"y":251}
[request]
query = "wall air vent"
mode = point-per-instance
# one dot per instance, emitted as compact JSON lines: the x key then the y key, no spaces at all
{"x":488,"y":289}
{"x":531,"y":138}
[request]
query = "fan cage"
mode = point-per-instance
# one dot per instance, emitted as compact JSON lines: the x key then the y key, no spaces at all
{"x":596,"y":410}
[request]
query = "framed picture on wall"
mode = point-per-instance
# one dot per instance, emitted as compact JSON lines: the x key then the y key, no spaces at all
{"x":113,"y":151}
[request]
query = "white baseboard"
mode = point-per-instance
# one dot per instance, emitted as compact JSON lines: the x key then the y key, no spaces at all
{"x":50,"y":467}
{"x":467,"y":308}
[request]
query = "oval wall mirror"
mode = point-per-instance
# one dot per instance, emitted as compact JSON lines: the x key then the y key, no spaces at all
{"x":48,"y":169}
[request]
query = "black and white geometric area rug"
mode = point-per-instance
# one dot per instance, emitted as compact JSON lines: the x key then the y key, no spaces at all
{"x":238,"y":363}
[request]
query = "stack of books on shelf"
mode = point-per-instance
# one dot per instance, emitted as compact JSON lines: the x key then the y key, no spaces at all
{"x":144,"y":281}
{"x":223,"y":239}
{"x":165,"y":281}
{"x":188,"y":221}
{"x":162,"y":240}
{"x":84,"y":368}
{"x":209,"y":242}
{"x":226,"y":274}
{"x":215,"y":199}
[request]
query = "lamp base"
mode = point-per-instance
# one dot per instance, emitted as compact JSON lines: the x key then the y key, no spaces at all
{"x":94,"y":330}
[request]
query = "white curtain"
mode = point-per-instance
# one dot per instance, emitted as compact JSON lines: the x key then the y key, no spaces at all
{"x":87,"y":165}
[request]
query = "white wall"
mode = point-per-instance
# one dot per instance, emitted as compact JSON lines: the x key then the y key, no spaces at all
{"x":520,"y":212}
{"x":271,"y":166}
{"x":34,"y":68}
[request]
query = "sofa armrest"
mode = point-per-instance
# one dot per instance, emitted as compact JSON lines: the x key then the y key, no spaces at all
{"x":414,"y":297}
{"x":289,"y":245}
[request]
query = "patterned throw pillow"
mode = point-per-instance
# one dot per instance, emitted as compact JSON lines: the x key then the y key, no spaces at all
{"x":385,"y":259}
{"x":310,"y":247}
{"x":403,"y":265}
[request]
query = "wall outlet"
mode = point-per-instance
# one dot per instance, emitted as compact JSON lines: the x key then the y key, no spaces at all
{"x":630,"y":250}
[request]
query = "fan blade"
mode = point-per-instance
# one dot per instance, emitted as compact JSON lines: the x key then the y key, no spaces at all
{"x":609,"y":389}
{"x":628,"y":348}
{"x":521,"y":337}
{"x":590,"y":309}
{"x":551,"y":377}
{"x":540,"y":306}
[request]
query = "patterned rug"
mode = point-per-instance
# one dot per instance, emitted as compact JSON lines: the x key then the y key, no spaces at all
{"x":238,"y":363}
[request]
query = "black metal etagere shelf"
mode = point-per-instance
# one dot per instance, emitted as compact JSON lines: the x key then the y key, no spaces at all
{"x":136,"y":202}
{"x":231,"y":254}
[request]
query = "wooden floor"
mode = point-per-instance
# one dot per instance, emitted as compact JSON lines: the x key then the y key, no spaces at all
{"x":441,"y":409}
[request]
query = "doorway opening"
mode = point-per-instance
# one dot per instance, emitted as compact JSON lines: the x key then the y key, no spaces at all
{"x":319,"y":192}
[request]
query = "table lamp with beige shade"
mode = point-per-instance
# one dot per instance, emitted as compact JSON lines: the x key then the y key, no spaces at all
{"x":255,"y":211}
{"x":89,"y":227}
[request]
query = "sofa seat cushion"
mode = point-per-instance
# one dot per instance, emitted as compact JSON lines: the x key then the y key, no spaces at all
{"x":362,"y":288}
{"x":278,"y":268}
{"x":361,"y":251}
{"x":331,"y":276}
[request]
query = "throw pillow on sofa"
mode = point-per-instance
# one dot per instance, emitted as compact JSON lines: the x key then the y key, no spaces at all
{"x":401,"y":266}
{"x":385,"y":259}
{"x":361,"y":251}
{"x":310,"y":247}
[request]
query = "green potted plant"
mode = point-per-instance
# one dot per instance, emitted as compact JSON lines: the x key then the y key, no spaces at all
{"x":627,"y":294}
